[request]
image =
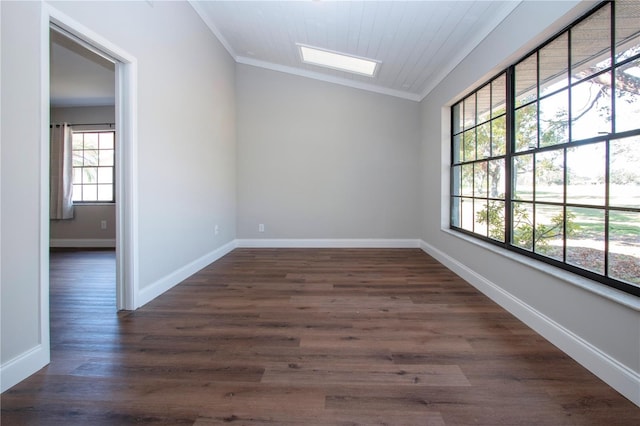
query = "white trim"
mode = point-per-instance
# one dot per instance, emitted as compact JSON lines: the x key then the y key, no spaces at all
{"x":328,"y":243}
{"x":298,"y":71}
{"x":509,"y":7}
{"x":19,"y":368}
{"x":209,"y":23}
{"x":32,"y":360}
{"x":150,"y":292}
{"x":611,"y":371}
{"x":617,"y":296}
{"x":328,"y":78}
{"x":127,"y":278}
{"x":83,"y":242}
{"x":126,"y":163}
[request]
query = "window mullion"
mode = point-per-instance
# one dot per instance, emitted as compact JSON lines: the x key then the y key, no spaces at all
{"x":509,"y":149}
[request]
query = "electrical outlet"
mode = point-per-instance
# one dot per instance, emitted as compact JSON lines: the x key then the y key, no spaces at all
{"x":103,"y":224}
{"x":261,"y":227}
{"x":216,"y":229}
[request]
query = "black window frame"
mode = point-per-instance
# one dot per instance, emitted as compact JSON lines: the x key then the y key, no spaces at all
{"x":458,"y":196}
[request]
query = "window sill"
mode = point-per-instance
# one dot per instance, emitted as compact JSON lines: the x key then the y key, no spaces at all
{"x":617,"y":296}
{"x":93,"y":204}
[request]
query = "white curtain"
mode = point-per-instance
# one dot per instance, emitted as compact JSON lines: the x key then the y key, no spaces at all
{"x":61,"y":173}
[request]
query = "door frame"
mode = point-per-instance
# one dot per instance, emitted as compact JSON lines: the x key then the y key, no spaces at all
{"x":127,"y":288}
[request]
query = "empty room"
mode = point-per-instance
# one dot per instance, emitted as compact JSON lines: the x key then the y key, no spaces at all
{"x":401,"y":213}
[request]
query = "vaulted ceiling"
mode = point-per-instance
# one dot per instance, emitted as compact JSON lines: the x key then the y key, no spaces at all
{"x":417,"y":42}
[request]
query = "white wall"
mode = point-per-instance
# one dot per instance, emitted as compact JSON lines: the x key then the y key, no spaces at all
{"x":317,"y":160}
{"x":601,"y":333}
{"x":83,"y":115}
{"x":20,"y":180}
{"x":186,"y":152}
{"x":85,"y":230}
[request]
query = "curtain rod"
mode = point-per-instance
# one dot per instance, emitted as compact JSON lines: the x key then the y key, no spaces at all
{"x":85,"y":124}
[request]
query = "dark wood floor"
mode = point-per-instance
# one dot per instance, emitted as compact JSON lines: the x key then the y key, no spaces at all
{"x":301,"y":337}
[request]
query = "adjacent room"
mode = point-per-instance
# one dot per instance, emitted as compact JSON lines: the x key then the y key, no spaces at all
{"x":320,"y":212}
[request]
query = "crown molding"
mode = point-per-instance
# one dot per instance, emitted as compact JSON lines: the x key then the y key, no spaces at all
{"x":327,"y":78}
{"x":196,"y":5}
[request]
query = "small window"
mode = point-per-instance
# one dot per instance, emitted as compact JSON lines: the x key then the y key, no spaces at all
{"x":94,"y":167}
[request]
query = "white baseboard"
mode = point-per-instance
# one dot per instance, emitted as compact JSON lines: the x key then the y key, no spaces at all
{"x":22,"y":366}
{"x":154,"y":290}
{"x":83,"y":242}
{"x":615,"y":374}
{"x":328,"y":243}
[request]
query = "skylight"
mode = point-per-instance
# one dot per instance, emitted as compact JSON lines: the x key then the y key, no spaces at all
{"x":338,"y":61}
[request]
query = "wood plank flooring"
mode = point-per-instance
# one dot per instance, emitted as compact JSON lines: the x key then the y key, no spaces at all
{"x":301,"y":337}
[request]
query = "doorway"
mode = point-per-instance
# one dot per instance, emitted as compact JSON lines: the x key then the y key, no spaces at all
{"x":121,"y":225}
{"x":83,"y":127}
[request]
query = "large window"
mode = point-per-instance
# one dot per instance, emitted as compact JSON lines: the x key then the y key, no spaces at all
{"x":546,"y":156}
{"x":93,"y":167}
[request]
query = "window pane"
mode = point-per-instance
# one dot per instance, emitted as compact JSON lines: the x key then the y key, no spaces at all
{"x":523,"y":177}
{"x":469,"y":145}
{"x":549,"y":230}
{"x":89,"y":192}
{"x":484,"y":104}
{"x":480,"y":214}
{"x":496,"y":179}
{"x":499,"y":136}
{"x":455,"y":181}
{"x":470,"y":111}
{"x":496,"y":220}
{"x":554,"y":65}
{"x":526,"y":130}
{"x":76,"y":141}
{"x":522,"y":228}
{"x":90,"y":175}
{"x":572,"y":167}
{"x":499,"y":96}
{"x":91,"y":157}
{"x":624,"y":172}
{"x":78,"y":158}
{"x":457,"y":148}
{"x":105,"y":175}
{"x":484,"y":140}
{"x":91,"y":141}
{"x":590,"y":44}
{"x":107,"y":140}
{"x":585,"y":174}
{"x":480,"y":179}
{"x":628,"y":97}
{"x":526,"y":77}
{"x":105,"y":192}
{"x":457,"y":118}
{"x":591,"y":107}
{"x":627,"y":29}
{"x":550,"y":176}
{"x":585,"y":247}
{"x":106,"y":157}
{"x":554,"y":123}
{"x":77,"y":193}
{"x":624,"y":246}
{"x":467,"y":179}
{"x":77,"y":175}
{"x":466,"y":214}
{"x":455,"y":211}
